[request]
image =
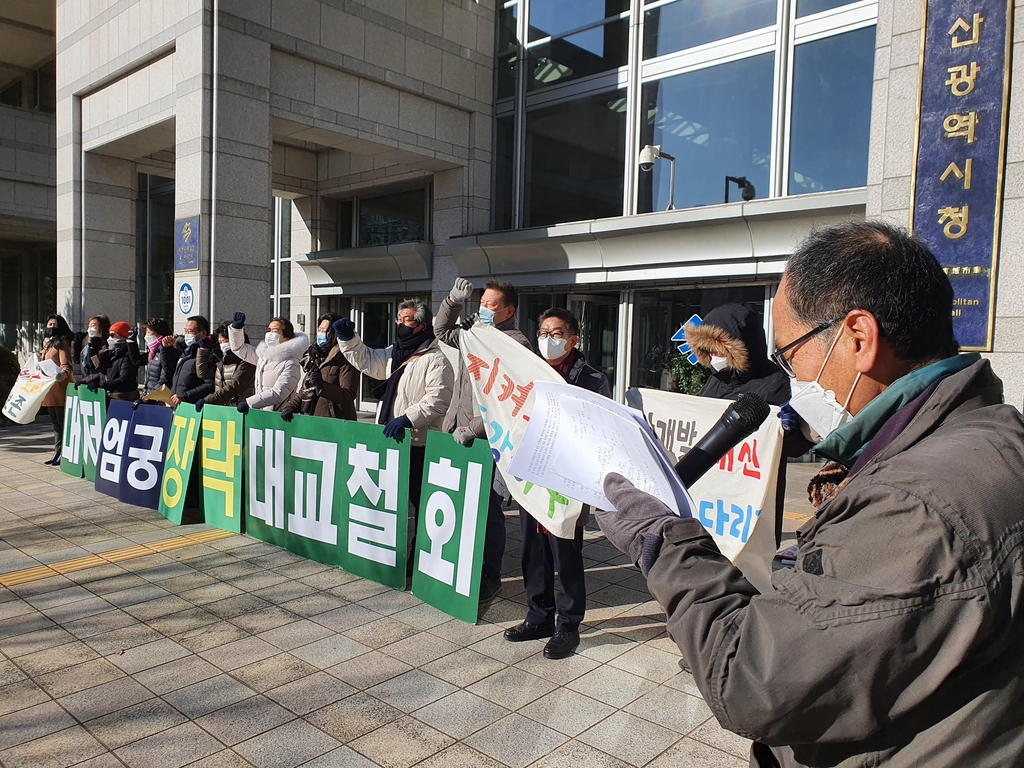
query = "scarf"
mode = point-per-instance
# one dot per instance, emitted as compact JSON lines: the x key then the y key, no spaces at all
{"x":154,"y":346}
{"x":401,"y":352}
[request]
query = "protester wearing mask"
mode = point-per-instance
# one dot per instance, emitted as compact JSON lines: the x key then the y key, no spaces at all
{"x":417,"y":383}
{"x":162,"y":354}
{"x":895,"y":641}
{"x":121,"y":380}
{"x":498,"y":306}
{"x":57,"y":348}
{"x":188,"y":386}
{"x":276,"y":359}
{"x":233,"y":378}
{"x":93,"y":357}
{"x":329,"y":383}
{"x":731,"y":342}
{"x":543,"y":553}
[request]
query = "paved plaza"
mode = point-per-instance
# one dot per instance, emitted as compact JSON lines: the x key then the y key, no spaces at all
{"x":133,"y":642}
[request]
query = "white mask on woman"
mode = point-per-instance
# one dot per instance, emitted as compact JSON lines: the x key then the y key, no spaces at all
{"x":551,"y":348}
{"x":719,"y":363}
{"x":93,"y":332}
{"x":150,"y":338}
{"x":272,"y":338}
{"x":225,"y":347}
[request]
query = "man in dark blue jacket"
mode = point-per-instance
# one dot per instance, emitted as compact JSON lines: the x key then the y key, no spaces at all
{"x":187,"y":386}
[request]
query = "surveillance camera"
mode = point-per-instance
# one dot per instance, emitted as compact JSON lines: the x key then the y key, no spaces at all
{"x":648,"y":155}
{"x":748,"y":192}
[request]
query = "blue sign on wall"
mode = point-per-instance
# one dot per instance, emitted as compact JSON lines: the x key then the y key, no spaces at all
{"x":186,"y":243}
{"x":958,"y":176}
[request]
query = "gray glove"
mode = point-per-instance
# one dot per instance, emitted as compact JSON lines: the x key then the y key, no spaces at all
{"x":636,"y":525}
{"x":463,"y":436}
{"x":461,"y":291}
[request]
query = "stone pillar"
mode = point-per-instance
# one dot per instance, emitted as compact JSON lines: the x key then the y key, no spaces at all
{"x":108,"y":238}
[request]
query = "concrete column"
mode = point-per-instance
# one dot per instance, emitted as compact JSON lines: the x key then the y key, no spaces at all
{"x":69,"y":210}
{"x":109,"y":238}
{"x":303,"y":241}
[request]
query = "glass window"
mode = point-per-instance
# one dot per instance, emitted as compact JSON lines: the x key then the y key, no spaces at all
{"x":378,"y":327}
{"x":808,"y":7}
{"x":555,"y":17}
{"x":345,"y":224}
{"x":575,"y":154}
{"x":586,"y":53}
{"x":154,"y":248}
{"x":504,"y":152}
{"x":394,"y":218}
{"x":657,"y":315}
{"x":832,"y":82}
{"x":716,"y":122}
{"x":689,"y":23}
{"x":508,"y":20}
{"x":506,"y":76}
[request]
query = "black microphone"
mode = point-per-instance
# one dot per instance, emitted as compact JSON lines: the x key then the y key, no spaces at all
{"x":740,"y":420}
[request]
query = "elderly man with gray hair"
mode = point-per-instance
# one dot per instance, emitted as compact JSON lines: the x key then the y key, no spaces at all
{"x":416,"y":377}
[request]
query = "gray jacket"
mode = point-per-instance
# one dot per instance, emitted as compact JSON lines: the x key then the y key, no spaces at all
{"x":896,"y":640}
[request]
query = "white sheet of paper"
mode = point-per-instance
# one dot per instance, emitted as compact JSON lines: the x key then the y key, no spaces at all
{"x":575,"y":438}
{"x":49,"y":368}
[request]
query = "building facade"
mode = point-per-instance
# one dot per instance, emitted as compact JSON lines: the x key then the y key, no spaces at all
{"x":291,"y":157}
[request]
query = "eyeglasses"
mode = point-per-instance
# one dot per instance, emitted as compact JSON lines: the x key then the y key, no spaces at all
{"x":779,"y":356}
{"x":553,"y":335}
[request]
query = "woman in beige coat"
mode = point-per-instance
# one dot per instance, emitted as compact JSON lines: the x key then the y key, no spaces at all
{"x":57,"y":347}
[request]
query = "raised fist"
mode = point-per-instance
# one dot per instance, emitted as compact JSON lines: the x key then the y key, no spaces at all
{"x":207,"y":342}
{"x":238,"y":321}
{"x":344,"y":329}
{"x":461,"y":291}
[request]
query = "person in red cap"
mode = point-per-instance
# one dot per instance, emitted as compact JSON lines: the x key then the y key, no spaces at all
{"x":121,"y":380}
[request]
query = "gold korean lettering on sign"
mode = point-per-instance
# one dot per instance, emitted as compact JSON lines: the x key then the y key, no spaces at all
{"x":954,"y":170}
{"x":961,"y":125}
{"x":955,"y":220}
{"x":961,"y":78}
{"x":974,"y":28}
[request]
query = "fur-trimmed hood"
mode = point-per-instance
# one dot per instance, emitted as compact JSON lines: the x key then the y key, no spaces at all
{"x":293,"y":349}
{"x":732,"y":331}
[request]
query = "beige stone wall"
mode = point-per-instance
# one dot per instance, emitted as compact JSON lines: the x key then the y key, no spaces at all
{"x":28,"y":198}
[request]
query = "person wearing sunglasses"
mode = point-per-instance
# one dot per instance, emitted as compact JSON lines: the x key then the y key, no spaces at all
{"x":895,"y":640}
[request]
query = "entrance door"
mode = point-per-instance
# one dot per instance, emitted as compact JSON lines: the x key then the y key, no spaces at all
{"x":599,"y":321}
{"x":378,"y":328}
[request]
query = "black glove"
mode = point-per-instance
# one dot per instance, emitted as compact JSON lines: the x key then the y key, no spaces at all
{"x":344,"y":329}
{"x":136,"y":404}
{"x":635,"y":526}
{"x":133,"y":334}
{"x":239,"y":321}
{"x":243,"y":407}
{"x":287,"y":414}
{"x":92,"y":382}
{"x":468,"y":322}
{"x":207,"y":342}
{"x":396,"y":427}
{"x":199,"y":404}
{"x":313,"y":378}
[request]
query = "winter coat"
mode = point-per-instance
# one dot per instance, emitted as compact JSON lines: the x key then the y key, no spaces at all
{"x":121,"y":380}
{"x":584,"y":375}
{"x":336,"y":395}
{"x":160,"y":368}
{"x":59,"y":351}
{"x":896,"y":640}
{"x":233,"y":378}
{"x":464,"y":411}
{"x":187,"y":384}
{"x":93,"y":348}
{"x":277,"y":367}
{"x":424,"y":391}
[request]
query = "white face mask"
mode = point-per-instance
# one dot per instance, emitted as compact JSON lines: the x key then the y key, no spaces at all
{"x":190,"y":339}
{"x":93,"y":332}
{"x":272,"y":338}
{"x":113,"y":341}
{"x":818,"y":407}
{"x":551,"y":348}
{"x":225,"y":348}
{"x":150,"y":338}
{"x":719,"y":363}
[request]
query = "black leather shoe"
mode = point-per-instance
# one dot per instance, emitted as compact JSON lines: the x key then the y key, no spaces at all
{"x":528,"y":631}
{"x":562,"y":644}
{"x":488,"y":589}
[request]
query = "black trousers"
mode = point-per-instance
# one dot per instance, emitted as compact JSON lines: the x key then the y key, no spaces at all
{"x":57,"y":419}
{"x":417,"y":454}
{"x":543,"y":554}
{"x":494,"y":538}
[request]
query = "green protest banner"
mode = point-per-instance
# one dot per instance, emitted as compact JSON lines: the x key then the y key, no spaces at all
{"x":453,"y":517}
{"x":221,"y":464}
{"x":93,"y":409}
{"x":333,"y":491}
{"x":181,"y":449}
{"x":71,"y":445}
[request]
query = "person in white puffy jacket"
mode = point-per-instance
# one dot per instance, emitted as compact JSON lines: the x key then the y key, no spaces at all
{"x":277,"y":360}
{"x":417,"y":381}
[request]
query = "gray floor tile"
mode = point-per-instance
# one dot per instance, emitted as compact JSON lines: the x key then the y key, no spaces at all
{"x":512,"y":687}
{"x":342,"y":757}
{"x":353,"y":716}
{"x":67,"y":655}
{"x":573,"y":754}
{"x":284,"y":592}
{"x":460,"y":714}
{"x":211,"y":636}
{"x":32,"y":642}
{"x":208,"y":695}
{"x":401,"y":744}
{"x":672,"y":709}
{"x":377,"y":634}
{"x":59,"y":597}
{"x":329,"y":651}
{"x":272,"y":672}
{"x":368,"y":670}
{"x":57,"y":750}
{"x":463,"y":634}
{"x":516,"y":741}
{"x":176,"y":674}
{"x":412,"y":690}
{"x":149,"y":655}
{"x":244,"y":719}
{"x":315,"y":604}
{"x":233,"y":607}
{"x":690,"y":752}
{"x":239,"y":653}
{"x":263,"y":619}
{"x":714,"y":735}
{"x":158,"y":608}
{"x":9,"y":673}
{"x":497,"y":647}
{"x":135,"y":722}
{"x":80,"y":677}
{"x":79,"y":609}
{"x":612,"y":686}
{"x":286,"y":746}
{"x":172,"y":748}
{"x":629,"y":738}
{"x":93,"y":625}
{"x":460,"y":756}
{"x":226,"y":758}
{"x":344,"y":617}
{"x":463,"y":667}
{"x":32,"y":723}
{"x":131,"y":636}
{"x":21,"y":695}
{"x":420,"y":649}
{"x":292,"y":635}
{"x":567,"y":712}
{"x":310,"y":693}
{"x":559,"y":671}
{"x":174,"y":624}
{"x":648,"y":662}
{"x":103,"y":699}
{"x":422,"y":616}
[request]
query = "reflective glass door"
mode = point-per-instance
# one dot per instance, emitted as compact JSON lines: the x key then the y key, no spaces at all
{"x":378,"y":328}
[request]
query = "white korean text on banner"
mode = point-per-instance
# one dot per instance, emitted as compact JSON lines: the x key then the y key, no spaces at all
{"x":27,"y":395}
{"x":502,"y":373}
{"x":735,"y":500}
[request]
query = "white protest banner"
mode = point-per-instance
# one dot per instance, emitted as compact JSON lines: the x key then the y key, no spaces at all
{"x":27,"y":396}
{"x":735,"y":500}
{"x":502,"y":373}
